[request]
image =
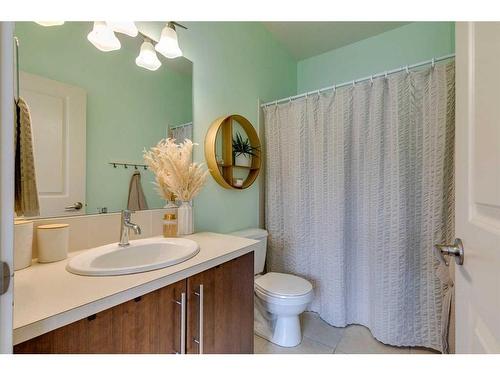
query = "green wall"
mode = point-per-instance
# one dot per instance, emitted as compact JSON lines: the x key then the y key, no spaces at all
{"x":128,"y":107}
{"x":238,"y":63}
{"x":235,"y":64}
{"x":405,"y":45}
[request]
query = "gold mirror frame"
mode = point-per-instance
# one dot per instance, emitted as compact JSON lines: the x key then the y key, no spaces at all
{"x":222,"y":173}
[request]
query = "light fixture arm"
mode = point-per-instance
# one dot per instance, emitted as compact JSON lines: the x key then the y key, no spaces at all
{"x":173,"y":23}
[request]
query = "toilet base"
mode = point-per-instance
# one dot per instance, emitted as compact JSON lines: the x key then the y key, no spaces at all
{"x":286,"y":331}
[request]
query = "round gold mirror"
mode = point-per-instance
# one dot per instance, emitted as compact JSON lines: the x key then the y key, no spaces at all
{"x":233,"y":152}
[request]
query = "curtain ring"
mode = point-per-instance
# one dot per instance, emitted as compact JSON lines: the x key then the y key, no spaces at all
{"x":353,"y":83}
{"x":319,"y":92}
{"x":276,"y":103}
{"x":385,"y":74}
{"x":433,"y":62}
{"x":334,"y":88}
{"x":407,"y":70}
{"x":371,"y":80}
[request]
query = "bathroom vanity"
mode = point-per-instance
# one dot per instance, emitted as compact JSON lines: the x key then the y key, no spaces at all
{"x":203,"y":305}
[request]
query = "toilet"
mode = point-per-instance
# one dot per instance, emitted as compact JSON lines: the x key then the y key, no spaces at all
{"x":280,"y":297}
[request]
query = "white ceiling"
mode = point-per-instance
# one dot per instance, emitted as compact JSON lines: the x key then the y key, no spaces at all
{"x":307,"y":39}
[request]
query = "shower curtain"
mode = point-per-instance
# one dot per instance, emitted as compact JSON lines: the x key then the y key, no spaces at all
{"x":359,"y":186}
{"x":182,"y":132}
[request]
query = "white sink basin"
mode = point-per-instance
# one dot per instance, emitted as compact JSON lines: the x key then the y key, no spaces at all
{"x":140,"y":256}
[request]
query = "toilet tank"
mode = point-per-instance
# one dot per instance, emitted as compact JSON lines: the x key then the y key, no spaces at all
{"x":260,"y":248}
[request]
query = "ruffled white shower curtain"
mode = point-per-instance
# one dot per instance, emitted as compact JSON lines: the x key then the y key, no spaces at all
{"x":359,"y":186}
{"x":182,"y":132}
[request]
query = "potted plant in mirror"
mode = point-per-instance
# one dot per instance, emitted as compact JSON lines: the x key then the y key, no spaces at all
{"x":243,"y":151}
{"x":176,"y":173}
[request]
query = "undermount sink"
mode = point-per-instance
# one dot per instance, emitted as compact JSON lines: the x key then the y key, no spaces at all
{"x":140,"y":256}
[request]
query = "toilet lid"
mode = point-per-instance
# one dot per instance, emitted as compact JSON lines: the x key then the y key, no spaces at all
{"x":282,"y":284}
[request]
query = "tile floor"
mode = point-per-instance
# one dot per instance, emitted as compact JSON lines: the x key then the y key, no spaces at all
{"x":322,"y":338}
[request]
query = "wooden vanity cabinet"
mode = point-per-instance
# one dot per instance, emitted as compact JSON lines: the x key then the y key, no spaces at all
{"x":153,"y":323}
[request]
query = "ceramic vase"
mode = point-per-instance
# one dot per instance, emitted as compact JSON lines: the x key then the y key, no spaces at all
{"x":185,"y":219}
{"x":243,"y":160}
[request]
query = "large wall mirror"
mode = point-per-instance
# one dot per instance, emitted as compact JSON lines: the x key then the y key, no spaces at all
{"x":93,"y":113}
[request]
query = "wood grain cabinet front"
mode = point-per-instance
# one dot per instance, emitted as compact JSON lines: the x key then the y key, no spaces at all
{"x":218,"y":303}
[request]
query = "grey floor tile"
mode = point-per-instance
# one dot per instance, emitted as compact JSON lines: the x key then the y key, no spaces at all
{"x":307,"y":346}
{"x":358,"y":340}
{"x":316,"y":329}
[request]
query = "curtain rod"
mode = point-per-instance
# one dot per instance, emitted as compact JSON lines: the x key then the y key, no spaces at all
{"x":367,"y":78}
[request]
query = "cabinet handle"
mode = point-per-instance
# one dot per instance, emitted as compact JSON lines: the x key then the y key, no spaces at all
{"x":200,"y":325}
{"x":183,"y":321}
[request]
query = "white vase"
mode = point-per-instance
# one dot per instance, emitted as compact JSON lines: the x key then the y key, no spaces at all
{"x":243,"y":160}
{"x":185,"y":219}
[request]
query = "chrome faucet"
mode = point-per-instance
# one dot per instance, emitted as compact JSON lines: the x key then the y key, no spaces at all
{"x":125,"y":226}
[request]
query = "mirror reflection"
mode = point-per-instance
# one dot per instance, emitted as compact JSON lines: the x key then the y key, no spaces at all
{"x":93,"y":113}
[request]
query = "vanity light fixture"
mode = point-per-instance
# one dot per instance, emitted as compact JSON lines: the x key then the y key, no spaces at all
{"x":103,"y":37}
{"x":147,"y":57}
{"x":50,"y":23}
{"x":127,"y":28}
{"x":168,"y":45}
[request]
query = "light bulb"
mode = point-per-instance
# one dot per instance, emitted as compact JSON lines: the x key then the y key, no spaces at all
{"x":103,"y":38}
{"x":147,"y":57}
{"x":50,"y":23}
{"x":127,"y":28}
{"x":168,"y":45}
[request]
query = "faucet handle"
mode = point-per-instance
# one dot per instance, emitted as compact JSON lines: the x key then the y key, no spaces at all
{"x":126,"y":214}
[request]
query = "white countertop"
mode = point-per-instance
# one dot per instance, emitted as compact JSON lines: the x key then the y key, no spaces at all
{"x":46,"y":296}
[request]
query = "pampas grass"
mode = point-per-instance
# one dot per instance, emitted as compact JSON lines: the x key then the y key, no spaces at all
{"x":174,"y":169}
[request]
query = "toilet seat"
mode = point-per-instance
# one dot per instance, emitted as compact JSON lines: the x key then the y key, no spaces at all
{"x":274,"y":285}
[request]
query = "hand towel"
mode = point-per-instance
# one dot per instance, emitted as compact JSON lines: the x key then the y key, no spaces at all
{"x":26,"y":193}
{"x":136,"y":198}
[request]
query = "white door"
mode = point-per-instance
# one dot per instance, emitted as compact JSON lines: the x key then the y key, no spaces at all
{"x":477,"y":168}
{"x":58,"y":115}
{"x":6,"y":183}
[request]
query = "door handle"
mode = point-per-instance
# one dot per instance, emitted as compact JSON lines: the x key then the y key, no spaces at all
{"x":74,"y":207}
{"x":457,"y":250}
{"x":200,"y":322}
{"x":4,"y":277}
{"x":182,"y":303}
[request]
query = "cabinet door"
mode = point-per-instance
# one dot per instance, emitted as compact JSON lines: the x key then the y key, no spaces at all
{"x":226,"y":325}
{"x":151,"y":323}
{"x":147,"y":324}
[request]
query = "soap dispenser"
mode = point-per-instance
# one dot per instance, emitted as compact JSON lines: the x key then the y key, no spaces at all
{"x":170,"y":218}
